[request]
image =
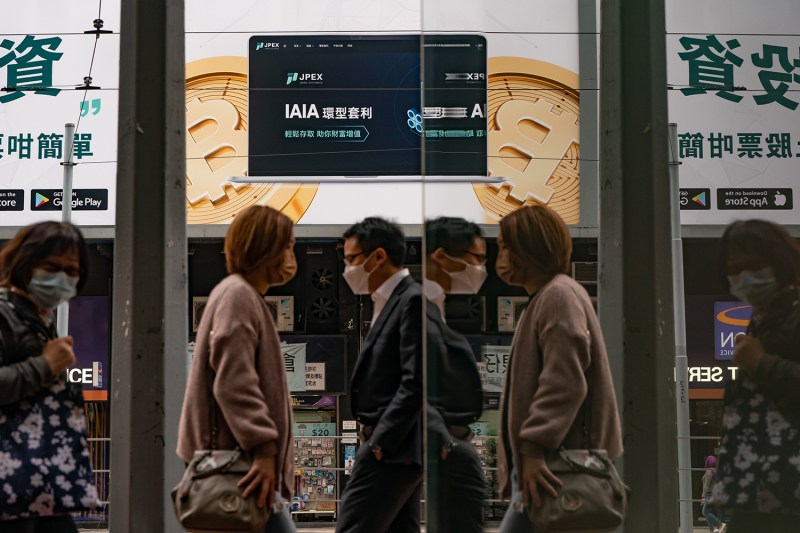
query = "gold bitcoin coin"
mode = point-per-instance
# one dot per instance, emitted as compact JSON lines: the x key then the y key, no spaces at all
{"x":533,"y":138}
{"x":216,"y":148}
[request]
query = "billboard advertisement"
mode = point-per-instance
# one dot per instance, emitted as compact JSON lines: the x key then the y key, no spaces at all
{"x":351,"y":105}
{"x":734,"y":75}
{"x":532,"y":110}
{"x":45,"y":60}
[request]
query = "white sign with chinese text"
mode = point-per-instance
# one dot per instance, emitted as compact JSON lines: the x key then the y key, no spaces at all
{"x":315,"y":377}
{"x":734,"y":80}
{"x":44,"y":59}
{"x":494,"y":366}
{"x":294,"y":360}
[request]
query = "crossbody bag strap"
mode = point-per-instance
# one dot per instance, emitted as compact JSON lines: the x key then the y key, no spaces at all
{"x":588,"y":443}
{"x":212,"y":410}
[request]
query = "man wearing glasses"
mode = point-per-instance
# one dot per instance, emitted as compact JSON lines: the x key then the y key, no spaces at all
{"x":383,"y":493}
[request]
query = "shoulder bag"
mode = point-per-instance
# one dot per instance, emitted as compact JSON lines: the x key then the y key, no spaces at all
{"x":593,"y":496}
{"x":207,"y":499}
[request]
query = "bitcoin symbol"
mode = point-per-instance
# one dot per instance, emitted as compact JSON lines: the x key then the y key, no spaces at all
{"x":533,"y":109}
{"x":224,"y":79}
{"x":215,"y":148}
{"x":530,"y":143}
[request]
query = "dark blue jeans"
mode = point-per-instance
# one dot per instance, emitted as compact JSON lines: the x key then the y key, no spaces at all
{"x":711,"y":519}
{"x":280,"y":521}
{"x":516,"y":519}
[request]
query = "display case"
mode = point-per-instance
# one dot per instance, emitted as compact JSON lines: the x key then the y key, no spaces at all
{"x":315,"y":459}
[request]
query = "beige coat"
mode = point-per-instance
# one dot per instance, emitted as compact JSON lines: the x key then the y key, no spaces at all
{"x":557,"y":348}
{"x":239,"y":349}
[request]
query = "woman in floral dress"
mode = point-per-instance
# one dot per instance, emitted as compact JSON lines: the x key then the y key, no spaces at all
{"x":759,"y":465}
{"x":44,"y":461}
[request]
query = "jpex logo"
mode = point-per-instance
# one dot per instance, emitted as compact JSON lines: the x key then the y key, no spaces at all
{"x":464,"y":76}
{"x":269,"y":46}
{"x":303,"y":78}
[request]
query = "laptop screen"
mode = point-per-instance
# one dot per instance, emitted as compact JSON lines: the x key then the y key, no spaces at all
{"x":332,"y":105}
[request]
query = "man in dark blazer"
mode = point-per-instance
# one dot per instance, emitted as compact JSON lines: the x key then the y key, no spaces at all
{"x":455,"y":255}
{"x":383,"y":492}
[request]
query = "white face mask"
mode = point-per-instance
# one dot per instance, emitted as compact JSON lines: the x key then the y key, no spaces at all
{"x":467,"y":281}
{"x":756,"y":287}
{"x":357,"y":277}
{"x":49,"y":289}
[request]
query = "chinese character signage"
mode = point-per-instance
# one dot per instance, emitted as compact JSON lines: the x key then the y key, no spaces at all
{"x":315,"y":377}
{"x":352,"y":105}
{"x":294,"y":360}
{"x":44,"y":57}
{"x":438,"y":116}
{"x":494,"y":366}
{"x":733,"y":69}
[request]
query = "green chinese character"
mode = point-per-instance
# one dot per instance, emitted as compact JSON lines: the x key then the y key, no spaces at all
{"x":20,"y":145}
{"x":750,"y":145}
{"x":776,"y":83}
{"x":779,"y":145}
{"x":82,"y":146}
{"x":50,"y":146}
{"x":715,"y":72}
{"x":690,"y":145}
{"x":719,"y":144}
{"x":24,"y":70}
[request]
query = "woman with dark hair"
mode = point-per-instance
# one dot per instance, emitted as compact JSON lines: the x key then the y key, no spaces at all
{"x":237,"y":395}
{"x":759,"y":459}
{"x":715,"y":525}
{"x":558,"y":369}
{"x":41,"y":415}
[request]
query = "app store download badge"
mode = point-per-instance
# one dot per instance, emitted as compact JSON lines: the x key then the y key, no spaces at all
{"x":82,"y":199}
{"x":755,"y":199}
{"x":694,"y":199}
{"x":12,"y":199}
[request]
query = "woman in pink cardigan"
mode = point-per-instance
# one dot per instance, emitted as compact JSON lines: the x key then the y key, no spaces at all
{"x":558,"y":364}
{"x":238,"y":368}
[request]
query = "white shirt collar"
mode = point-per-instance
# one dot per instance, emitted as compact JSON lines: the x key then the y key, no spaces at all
{"x":384,"y":292}
{"x":435,"y":293}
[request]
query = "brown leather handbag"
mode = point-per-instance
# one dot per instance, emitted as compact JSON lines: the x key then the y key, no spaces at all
{"x":593,"y":497}
{"x":207,"y":499}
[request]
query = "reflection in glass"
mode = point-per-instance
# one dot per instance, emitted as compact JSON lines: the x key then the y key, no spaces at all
{"x":455,"y":263}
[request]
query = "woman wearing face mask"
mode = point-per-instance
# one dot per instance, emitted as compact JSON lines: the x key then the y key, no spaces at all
{"x":558,"y":367}
{"x":758,"y":479}
{"x":237,"y":376}
{"x":44,"y":265}
{"x":455,"y":260}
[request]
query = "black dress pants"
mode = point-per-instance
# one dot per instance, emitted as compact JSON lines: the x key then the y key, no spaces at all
{"x":462,"y":490}
{"x":48,"y":524}
{"x":380,"y":497}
